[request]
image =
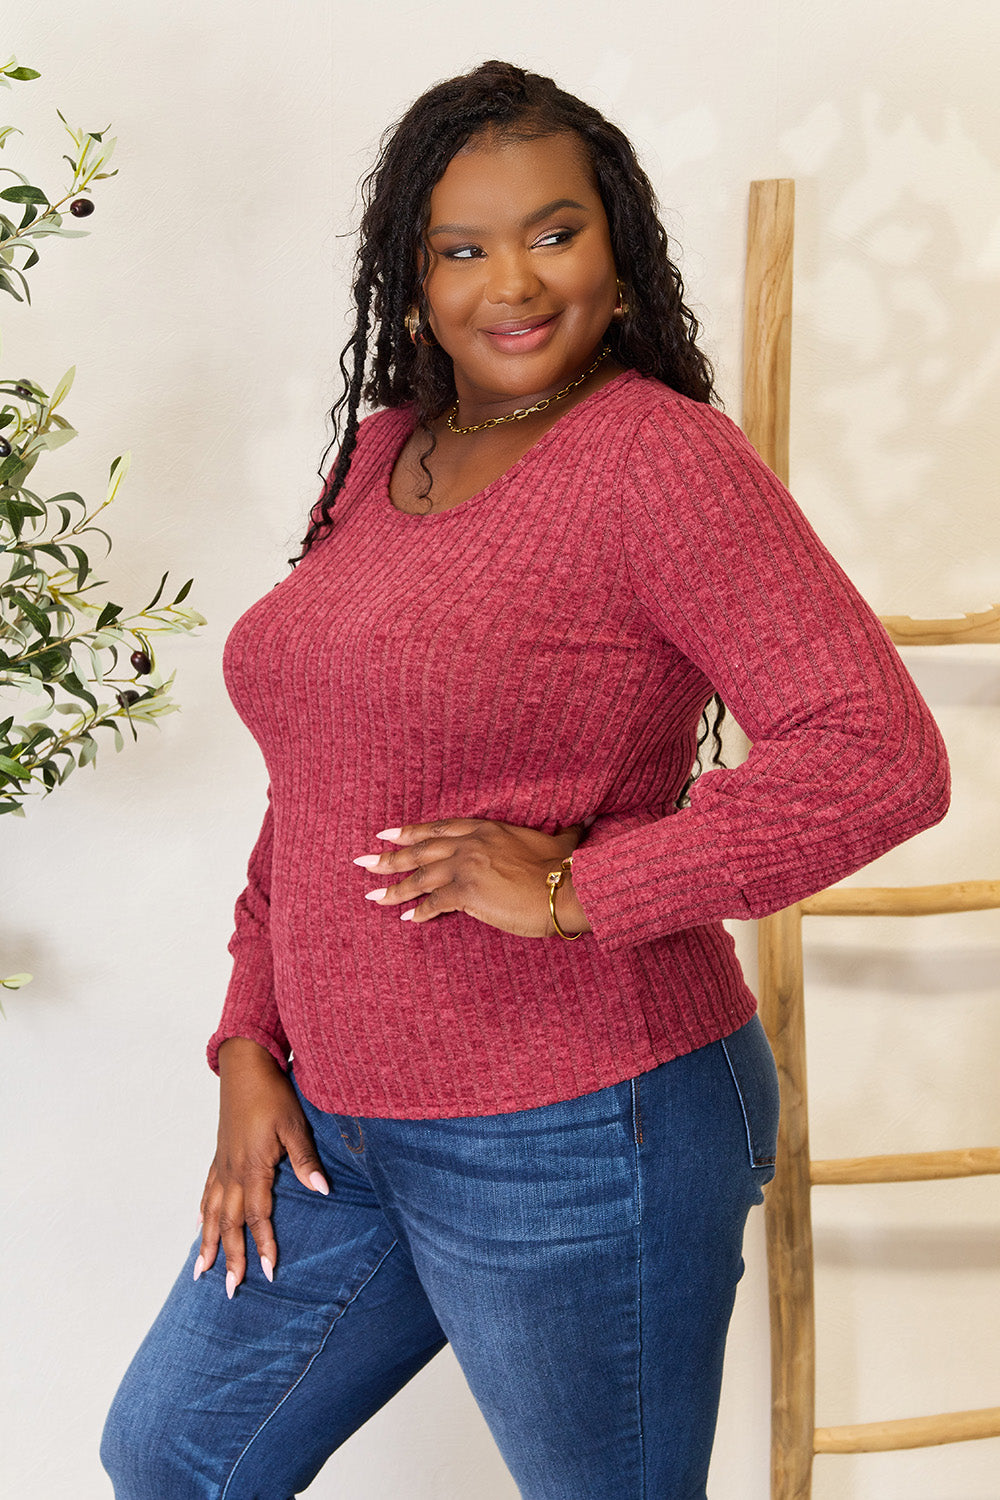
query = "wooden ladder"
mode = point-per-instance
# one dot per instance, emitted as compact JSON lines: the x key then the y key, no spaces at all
{"x":795,"y":1438}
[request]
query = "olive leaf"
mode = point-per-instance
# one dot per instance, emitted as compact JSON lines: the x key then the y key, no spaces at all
{"x":10,"y":70}
{"x":24,"y":194}
{"x":63,"y":388}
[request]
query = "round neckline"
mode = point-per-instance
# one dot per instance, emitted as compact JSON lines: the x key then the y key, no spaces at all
{"x":442,"y":515}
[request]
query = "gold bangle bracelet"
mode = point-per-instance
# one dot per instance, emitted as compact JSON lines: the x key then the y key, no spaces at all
{"x":554,"y":880}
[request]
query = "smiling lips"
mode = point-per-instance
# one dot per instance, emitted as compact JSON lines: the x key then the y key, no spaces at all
{"x":521,"y":335}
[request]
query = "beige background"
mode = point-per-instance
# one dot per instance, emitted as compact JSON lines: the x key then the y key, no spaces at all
{"x":205,"y":313}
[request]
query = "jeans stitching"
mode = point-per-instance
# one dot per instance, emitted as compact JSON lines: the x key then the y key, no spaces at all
{"x":636,"y":1113}
{"x":359,"y":1148}
{"x":756,"y":1160}
{"x":637,"y":1133}
{"x":312,"y":1360}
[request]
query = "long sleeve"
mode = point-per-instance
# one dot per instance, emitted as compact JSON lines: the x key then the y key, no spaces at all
{"x":250,"y":1008}
{"x":846,"y":760}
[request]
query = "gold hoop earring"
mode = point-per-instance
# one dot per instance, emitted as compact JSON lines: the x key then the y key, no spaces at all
{"x":412,"y":325}
{"x":622,"y":307}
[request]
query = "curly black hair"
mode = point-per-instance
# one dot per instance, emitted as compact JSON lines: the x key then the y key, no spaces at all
{"x":382,"y":365}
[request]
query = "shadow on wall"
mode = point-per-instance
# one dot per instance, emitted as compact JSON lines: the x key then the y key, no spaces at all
{"x":897,"y":320}
{"x":958,"y":678}
{"x":908,"y":1247}
{"x":31,"y":950}
{"x":908,"y":973}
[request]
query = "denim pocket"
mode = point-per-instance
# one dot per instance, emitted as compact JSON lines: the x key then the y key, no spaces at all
{"x":751,"y":1064}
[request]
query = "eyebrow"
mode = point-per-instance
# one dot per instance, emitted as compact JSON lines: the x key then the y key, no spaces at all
{"x":533,"y":218}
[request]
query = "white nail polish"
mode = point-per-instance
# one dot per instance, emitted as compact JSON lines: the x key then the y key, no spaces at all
{"x":267,"y":1267}
{"x":230,"y":1284}
{"x":199,"y":1267}
{"x":389,"y":833}
{"x":407,"y":916}
{"x":368,"y":861}
{"x":376,"y":895}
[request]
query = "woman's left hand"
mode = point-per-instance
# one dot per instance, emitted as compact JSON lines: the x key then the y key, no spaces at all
{"x":494,"y":872}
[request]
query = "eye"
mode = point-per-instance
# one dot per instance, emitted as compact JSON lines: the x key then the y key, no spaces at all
{"x":557,"y":237}
{"x":462,"y":252}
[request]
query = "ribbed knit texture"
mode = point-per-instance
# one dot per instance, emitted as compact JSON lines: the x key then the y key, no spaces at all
{"x":541,"y":654}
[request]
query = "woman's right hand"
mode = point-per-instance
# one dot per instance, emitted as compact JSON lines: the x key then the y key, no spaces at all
{"x":260,"y":1121}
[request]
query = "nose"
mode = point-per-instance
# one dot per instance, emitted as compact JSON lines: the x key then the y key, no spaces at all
{"x":512,"y":279}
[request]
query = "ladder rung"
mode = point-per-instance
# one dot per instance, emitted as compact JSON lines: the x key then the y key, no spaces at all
{"x":984,"y":625}
{"x":911,"y":1432}
{"x":903,"y":900}
{"x":912,"y":1166}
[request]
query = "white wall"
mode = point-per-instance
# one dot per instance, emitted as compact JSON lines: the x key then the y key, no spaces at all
{"x":205,"y":314}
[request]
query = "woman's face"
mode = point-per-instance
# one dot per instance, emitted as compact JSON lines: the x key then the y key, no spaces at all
{"x":521,"y":285}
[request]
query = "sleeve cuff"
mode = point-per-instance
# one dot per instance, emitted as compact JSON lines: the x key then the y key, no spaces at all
{"x":636,"y":887}
{"x":250,"y":1009}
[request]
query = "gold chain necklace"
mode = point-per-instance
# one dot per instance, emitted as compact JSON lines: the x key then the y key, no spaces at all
{"x":526,"y":411}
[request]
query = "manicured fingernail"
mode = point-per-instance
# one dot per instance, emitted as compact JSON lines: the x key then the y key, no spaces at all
{"x":319,"y":1182}
{"x":267,"y":1267}
{"x":389,"y":833}
{"x":376,"y":895}
{"x":368,"y":861}
{"x":200,"y":1220}
{"x":199,"y":1267}
{"x":408,"y":916}
{"x":230,"y":1284}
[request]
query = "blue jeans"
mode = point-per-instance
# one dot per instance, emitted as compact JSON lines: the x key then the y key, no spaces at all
{"x":581,"y":1259}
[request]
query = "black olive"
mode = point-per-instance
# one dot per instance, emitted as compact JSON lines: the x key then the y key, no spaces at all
{"x":128,"y":697}
{"x":140,"y":662}
{"x":5,"y":447}
{"x":81,"y":207}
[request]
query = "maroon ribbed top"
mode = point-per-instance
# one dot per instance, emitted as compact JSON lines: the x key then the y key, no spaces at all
{"x":541,"y":654}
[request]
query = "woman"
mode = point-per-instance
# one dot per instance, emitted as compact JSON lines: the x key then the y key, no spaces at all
{"x":531,"y":1103}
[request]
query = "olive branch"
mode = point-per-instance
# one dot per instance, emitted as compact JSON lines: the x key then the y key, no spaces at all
{"x":72,"y":663}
